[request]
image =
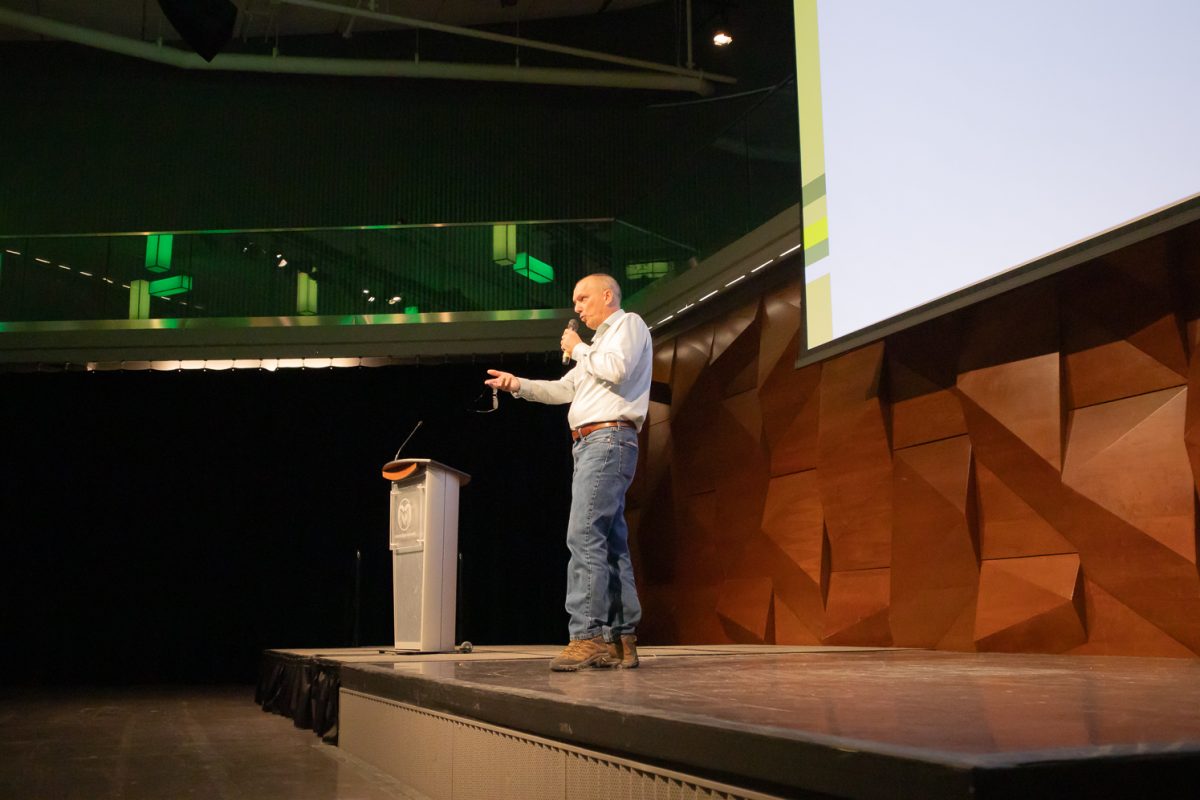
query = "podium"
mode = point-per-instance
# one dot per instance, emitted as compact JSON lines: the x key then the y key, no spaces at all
{"x":423,"y":538}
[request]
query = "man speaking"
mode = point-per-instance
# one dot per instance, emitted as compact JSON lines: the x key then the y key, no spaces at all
{"x":609,"y":392}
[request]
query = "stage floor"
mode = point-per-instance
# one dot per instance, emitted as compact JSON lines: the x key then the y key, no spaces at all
{"x":165,"y":743}
{"x":838,"y":721}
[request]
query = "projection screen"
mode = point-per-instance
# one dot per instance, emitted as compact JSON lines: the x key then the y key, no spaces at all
{"x":946,"y":144}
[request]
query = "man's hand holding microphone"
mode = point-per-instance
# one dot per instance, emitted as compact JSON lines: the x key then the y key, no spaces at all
{"x":507,"y":382}
{"x":570,"y":338}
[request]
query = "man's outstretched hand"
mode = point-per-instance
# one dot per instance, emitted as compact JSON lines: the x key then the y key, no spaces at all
{"x":505,"y":381}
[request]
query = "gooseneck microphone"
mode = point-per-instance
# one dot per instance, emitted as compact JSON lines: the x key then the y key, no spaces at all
{"x":394,"y":470}
{"x":573,"y":324}
{"x":420,"y":422}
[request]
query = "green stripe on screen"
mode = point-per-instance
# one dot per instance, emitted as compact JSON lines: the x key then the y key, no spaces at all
{"x":813,"y":190}
{"x":815,"y":253}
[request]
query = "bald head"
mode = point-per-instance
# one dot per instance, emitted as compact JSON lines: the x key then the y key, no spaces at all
{"x":596,"y":297}
{"x":606,"y":281}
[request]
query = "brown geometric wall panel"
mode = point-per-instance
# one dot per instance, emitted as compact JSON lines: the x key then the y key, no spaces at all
{"x":692,"y":352}
{"x":703,"y":557}
{"x":692,"y":427}
{"x":1008,"y":526}
{"x":1113,"y":350}
{"x":935,"y":552}
{"x":1114,"y":629}
{"x":1030,"y":603}
{"x":1128,"y":457}
{"x":921,"y":374}
{"x":1024,"y":397}
{"x":854,"y":461}
{"x":797,"y":604}
{"x":926,"y":418}
{"x":788,"y":397}
{"x":790,"y":406}
{"x":654,"y":458}
{"x":857,"y":612}
{"x":659,"y":411}
{"x":1163,"y":340}
{"x":735,"y":350}
{"x":682,"y":614}
{"x":742,"y":480}
{"x":744,"y":606}
{"x":1116,"y":370}
{"x":1015,"y":326}
{"x":794,"y":523}
{"x":1191,"y":423}
{"x":660,"y":612}
{"x":664,"y":362}
{"x":1019,"y":475}
{"x":654,"y":542}
{"x":657,"y":454}
{"x":780,"y":329}
{"x":789,"y":628}
{"x":1145,"y":575}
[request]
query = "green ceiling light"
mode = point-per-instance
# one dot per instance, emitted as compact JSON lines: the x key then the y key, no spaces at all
{"x":166,"y":287}
{"x":139,"y":299}
{"x":504,"y":244}
{"x":537,"y":271}
{"x":306,"y":295}
{"x":158,"y":251}
{"x":647,"y":269}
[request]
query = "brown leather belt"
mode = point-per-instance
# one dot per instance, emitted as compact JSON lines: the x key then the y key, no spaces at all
{"x":585,"y":430}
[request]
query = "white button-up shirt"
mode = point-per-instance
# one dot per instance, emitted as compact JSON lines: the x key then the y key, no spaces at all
{"x":611,"y":377}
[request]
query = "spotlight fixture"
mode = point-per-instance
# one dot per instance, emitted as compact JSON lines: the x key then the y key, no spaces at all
{"x":722,"y":32}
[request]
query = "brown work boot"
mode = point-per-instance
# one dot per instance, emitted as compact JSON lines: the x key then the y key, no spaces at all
{"x":580,"y":653}
{"x":622,"y":654}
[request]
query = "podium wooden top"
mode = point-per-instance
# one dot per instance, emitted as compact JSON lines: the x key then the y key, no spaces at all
{"x":399,"y":464}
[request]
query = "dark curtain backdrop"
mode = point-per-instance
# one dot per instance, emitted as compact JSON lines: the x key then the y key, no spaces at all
{"x":169,"y":526}
{"x":100,"y":142}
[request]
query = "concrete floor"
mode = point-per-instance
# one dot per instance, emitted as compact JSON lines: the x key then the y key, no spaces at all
{"x":163,"y":743}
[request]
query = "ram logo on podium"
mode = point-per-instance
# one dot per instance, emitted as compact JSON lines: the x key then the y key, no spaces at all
{"x":423,"y":538}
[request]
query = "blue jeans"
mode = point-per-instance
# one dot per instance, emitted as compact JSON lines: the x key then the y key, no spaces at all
{"x":601,"y":596}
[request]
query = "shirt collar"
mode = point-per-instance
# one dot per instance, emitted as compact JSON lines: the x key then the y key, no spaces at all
{"x":612,"y":319}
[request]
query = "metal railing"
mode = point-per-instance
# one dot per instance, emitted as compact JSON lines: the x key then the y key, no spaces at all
{"x":325,"y":272}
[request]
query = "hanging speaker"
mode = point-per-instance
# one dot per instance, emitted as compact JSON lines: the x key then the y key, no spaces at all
{"x":206,"y":25}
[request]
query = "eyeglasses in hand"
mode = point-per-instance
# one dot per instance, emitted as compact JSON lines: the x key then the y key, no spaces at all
{"x":479,"y":404}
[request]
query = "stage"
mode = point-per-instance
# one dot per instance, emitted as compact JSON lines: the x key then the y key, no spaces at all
{"x":754,"y":721}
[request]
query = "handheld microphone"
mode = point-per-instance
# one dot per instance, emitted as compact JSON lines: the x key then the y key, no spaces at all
{"x":573,"y":324}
